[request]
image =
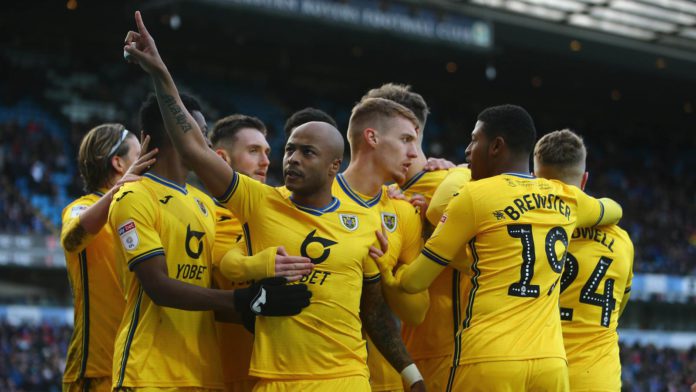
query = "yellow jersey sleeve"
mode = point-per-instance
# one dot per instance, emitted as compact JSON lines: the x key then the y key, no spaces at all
{"x":445,"y":192}
{"x":134,"y":220}
{"x":596,"y":212}
{"x":238,"y":267}
{"x":243,"y":196}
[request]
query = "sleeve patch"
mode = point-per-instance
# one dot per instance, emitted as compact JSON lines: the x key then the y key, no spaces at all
{"x":129,"y":235}
{"x":75,"y":211}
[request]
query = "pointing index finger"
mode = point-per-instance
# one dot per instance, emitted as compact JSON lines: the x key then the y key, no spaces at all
{"x":141,"y":26}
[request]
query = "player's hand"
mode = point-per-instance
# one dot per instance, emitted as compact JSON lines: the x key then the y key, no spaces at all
{"x":395,"y":193}
{"x":272,"y":297}
{"x":438,"y":164}
{"x":418,"y":386}
{"x":140,"y":48}
{"x":383,"y":264}
{"x":693,"y":388}
{"x":146,"y":158}
{"x":421,"y":203}
{"x":144,"y":161}
{"x":291,"y":267}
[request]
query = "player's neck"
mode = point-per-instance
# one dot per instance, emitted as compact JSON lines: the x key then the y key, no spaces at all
{"x":364,"y":177}
{"x":521,"y":167}
{"x":170,"y":166}
{"x":317,"y":200}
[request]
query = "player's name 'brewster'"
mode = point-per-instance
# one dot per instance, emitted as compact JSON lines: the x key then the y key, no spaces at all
{"x":532,"y":201}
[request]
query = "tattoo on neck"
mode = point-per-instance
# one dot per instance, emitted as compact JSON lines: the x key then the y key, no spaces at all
{"x":177,"y":112}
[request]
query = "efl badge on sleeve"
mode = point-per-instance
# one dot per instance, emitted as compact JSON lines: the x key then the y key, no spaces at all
{"x":389,"y":221}
{"x":129,"y":235}
{"x":75,"y":211}
{"x":201,"y":206}
{"x":348,"y":221}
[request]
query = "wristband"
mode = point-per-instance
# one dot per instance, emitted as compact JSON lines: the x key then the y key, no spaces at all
{"x":411,"y":375}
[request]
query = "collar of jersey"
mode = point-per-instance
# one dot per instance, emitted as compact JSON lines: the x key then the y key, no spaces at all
{"x":318,"y":212}
{"x":166,"y":182}
{"x":519,"y":175}
{"x":367,"y":203}
{"x":413,"y":180}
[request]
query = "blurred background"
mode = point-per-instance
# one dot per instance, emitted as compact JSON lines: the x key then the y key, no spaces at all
{"x":622,"y":73}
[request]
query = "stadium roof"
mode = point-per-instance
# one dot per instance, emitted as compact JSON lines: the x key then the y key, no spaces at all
{"x":664,"y":27}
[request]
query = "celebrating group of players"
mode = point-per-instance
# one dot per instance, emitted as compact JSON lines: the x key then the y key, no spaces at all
{"x":449,"y":280}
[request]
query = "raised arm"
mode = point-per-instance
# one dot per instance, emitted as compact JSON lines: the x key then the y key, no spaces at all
{"x":185,"y":134}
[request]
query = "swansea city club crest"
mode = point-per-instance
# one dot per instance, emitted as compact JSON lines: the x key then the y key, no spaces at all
{"x":348,"y":221}
{"x":389,"y":221}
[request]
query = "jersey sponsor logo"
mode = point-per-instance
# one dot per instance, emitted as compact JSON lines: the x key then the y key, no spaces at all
{"x":165,"y":199}
{"x":389,"y":221}
{"x":124,"y":194}
{"x":198,"y":237}
{"x":190,"y":271}
{"x":311,"y":239}
{"x":499,"y":215}
{"x":201,"y":206}
{"x":129,"y":235}
{"x":75,"y":211}
{"x":349,"y":221}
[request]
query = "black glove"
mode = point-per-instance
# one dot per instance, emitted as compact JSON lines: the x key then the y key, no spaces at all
{"x":270,"y":297}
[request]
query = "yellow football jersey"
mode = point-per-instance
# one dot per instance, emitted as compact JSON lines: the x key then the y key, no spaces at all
{"x":597,"y":274}
{"x":435,"y":336}
{"x":161,"y":346}
{"x":517,"y":229}
{"x":403,"y":228}
{"x":235,"y":342}
{"x":97,"y":297}
{"x":325,"y":340}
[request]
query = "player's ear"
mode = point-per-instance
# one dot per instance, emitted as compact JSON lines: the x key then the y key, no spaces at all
{"x":583,"y":182}
{"x":370,"y":136}
{"x":335,"y":167}
{"x":118,"y":164}
{"x":496,"y":146}
{"x":223,"y":154}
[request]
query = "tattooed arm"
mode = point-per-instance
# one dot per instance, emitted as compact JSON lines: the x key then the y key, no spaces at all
{"x":185,"y":134}
{"x":380,"y":325}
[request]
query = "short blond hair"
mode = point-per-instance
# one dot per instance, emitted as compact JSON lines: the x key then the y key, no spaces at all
{"x":563,"y":152}
{"x":402,"y":93}
{"x":372,"y":113}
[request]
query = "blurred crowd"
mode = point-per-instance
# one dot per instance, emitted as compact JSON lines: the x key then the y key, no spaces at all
{"x":652,"y":369}
{"x":32,"y":358}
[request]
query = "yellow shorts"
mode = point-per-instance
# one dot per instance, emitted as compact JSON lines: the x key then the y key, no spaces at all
{"x":435,"y":372}
{"x":343,"y":384}
{"x":600,"y":376}
{"x":545,"y":374}
{"x":99,"y":384}
{"x":240,"y":386}
{"x":383,"y":377}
